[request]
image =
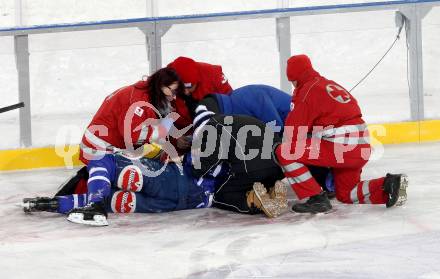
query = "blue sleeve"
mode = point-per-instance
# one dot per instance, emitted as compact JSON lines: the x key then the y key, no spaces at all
{"x":101,"y":176}
{"x":270,"y":112}
{"x":258,"y":101}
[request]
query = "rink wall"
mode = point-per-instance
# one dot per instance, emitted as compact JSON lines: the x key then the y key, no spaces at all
{"x":71,"y":67}
{"x":47,"y":157}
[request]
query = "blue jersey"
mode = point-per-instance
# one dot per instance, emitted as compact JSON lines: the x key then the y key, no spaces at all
{"x":266,"y":103}
{"x":162,"y":187}
{"x":143,"y":185}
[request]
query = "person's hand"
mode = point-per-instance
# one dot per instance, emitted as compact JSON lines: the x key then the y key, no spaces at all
{"x":184,"y":142}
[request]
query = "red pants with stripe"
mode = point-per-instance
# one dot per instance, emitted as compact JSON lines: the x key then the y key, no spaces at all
{"x":346,"y":162}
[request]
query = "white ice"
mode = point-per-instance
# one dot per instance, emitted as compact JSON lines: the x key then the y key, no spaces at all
{"x":356,"y":241}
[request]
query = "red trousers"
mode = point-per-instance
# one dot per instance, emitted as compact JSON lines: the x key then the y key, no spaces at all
{"x":346,"y":162}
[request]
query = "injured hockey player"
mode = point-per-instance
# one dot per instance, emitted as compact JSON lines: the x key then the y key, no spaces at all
{"x":116,"y":183}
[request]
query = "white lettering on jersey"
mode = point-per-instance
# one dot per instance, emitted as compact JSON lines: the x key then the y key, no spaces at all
{"x":138,"y":111}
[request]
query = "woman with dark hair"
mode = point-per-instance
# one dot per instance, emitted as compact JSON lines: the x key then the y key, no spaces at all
{"x":132,"y":116}
{"x":127,"y":119}
{"x":156,"y":82}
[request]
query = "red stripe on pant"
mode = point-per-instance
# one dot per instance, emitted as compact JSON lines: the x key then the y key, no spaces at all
{"x":299,"y":177}
{"x":367,"y":191}
{"x":346,"y":172}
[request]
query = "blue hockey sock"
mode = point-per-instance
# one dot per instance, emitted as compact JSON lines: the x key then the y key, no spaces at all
{"x":69,"y":202}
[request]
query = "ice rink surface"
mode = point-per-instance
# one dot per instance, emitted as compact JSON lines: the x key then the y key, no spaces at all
{"x":355,"y":241}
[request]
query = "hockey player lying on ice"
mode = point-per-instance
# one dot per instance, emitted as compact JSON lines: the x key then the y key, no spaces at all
{"x":117,"y":184}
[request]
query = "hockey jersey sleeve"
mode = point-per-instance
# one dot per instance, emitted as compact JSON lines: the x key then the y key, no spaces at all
{"x":141,"y":126}
{"x":270,"y":112}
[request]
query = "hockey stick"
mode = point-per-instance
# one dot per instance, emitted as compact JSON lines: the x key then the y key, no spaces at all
{"x":12,"y":107}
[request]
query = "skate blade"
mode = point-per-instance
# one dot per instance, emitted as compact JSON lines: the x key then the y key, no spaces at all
{"x":21,"y":204}
{"x":78,"y":218}
{"x":402,"y":190}
{"x":25,"y":206}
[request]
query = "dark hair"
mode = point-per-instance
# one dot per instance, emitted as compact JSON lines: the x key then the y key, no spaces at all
{"x":161,"y":78}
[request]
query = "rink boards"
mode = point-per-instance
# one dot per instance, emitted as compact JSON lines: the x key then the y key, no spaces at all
{"x":48,"y":157}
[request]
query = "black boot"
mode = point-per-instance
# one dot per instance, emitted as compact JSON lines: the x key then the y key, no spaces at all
{"x":330,"y":195}
{"x":395,"y":186}
{"x":40,"y":204}
{"x":93,"y":214}
{"x":315,"y":204}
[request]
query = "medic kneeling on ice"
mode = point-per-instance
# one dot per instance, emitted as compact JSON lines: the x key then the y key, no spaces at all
{"x":325,"y":128}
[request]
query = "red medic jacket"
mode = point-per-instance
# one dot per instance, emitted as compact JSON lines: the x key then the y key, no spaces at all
{"x":318,"y":101}
{"x":212,"y":80}
{"x":125,"y":111}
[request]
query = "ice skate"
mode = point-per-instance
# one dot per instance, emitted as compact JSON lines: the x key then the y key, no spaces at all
{"x":93,"y":214}
{"x":259,"y":198}
{"x":40,"y":204}
{"x":315,"y":204}
{"x":279,"y":193}
{"x":395,"y":186}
